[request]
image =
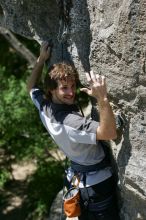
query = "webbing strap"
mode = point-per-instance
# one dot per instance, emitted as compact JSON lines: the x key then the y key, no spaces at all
{"x":82,"y":168}
{"x":99,"y":206}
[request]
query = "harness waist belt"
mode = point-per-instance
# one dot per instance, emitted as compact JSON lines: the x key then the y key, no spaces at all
{"x":89,"y":168}
{"x":99,"y":206}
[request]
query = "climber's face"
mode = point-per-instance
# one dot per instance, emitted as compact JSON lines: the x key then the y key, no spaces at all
{"x":65,"y":91}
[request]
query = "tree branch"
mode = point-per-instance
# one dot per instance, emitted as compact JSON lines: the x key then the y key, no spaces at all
{"x":18,"y":46}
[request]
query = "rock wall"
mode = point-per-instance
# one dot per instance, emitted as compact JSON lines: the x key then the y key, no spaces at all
{"x":109,"y":37}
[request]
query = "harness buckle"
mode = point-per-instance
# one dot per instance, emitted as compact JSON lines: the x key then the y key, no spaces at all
{"x":86,"y":203}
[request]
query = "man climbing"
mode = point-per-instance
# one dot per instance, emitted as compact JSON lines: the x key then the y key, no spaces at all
{"x":78,"y":137}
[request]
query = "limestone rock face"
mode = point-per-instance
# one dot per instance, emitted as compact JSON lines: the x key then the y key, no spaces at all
{"x":110,"y":38}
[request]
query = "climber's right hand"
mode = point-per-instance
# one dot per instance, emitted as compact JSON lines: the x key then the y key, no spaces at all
{"x":45,"y":51}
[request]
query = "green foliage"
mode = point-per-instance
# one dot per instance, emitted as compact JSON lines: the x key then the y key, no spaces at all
{"x":23,"y":137}
{"x":4,"y":177}
{"x":43,"y":187}
{"x":21,"y":131}
{"x":13,"y":63}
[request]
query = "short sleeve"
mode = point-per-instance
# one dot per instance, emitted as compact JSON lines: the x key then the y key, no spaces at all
{"x":37,"y":96}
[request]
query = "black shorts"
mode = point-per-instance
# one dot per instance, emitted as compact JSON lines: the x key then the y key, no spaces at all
{"x":96,"y":194}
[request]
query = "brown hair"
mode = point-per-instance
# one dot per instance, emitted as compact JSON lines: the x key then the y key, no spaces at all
{"x":57,"y":72}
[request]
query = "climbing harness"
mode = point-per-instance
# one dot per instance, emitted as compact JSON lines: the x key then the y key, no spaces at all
{"x":82,"y":168}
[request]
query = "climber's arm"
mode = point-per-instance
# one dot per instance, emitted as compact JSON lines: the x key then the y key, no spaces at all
{"x":107,"y":126}
{"x":38,"y":68}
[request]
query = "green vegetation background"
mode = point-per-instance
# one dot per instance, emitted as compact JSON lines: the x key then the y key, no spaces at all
{"x":23,"y":138}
